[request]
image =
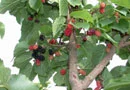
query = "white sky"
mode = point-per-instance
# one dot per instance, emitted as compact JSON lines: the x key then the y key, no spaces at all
{"x":11,"y":37}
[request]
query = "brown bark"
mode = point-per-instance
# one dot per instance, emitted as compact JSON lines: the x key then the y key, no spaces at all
{"x":73,"y":73}
{"x":77,"y":84}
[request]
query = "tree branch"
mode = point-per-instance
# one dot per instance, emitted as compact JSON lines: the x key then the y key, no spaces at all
{"x":124,"y":43}
{"x":73,"y":72}
{"x":99,"y":68}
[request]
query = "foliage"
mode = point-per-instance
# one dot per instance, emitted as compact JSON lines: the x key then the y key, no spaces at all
{"x":2,"y":29}
{"x":45,"y":29}
{"x":14,"y":82}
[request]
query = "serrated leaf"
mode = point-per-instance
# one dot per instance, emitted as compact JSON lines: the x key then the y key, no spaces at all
{"x":2,"y":29}
{"x":123,"y":11}
{"x":57,"y":25}
{"x":63,"y":7}
{"x":107,"y":21}
{"x":120,"y":70}
{"x":106,"y":75}
{"x":82,"y":14}
{"x":74,"y":2}
{"x":22,"y":60}
{"x":29,"y":32}
{"x":117,"y":37}
{"x":109,"y":10}
{"x":20,"y":48}
{"x":7,"y":5}
{"x":43,"y":79}
{"x":33,"y":74}
{"x":125,"y":88}
{"x":123,"y":53}
{"x":26,"y":70}
{"x":124,"y":3}
{"x":35,"y":4}
{"x":98,"y":54}
{"x":82,"y":25}
{"x":84,"y":57}
{"x":46,"y":30}
{"x":59,"y":79}
{"x":5,"y":74}
{"x":122,"y":26}
{"x":42,"y":69}
{"x":21,"y":82}
{"x":114,"y":84}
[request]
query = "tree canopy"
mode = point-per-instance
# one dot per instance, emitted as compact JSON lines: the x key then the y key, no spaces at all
{"x":72,"y":38}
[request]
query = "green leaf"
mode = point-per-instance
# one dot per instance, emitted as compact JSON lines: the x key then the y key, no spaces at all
{"x":63,"y":7}
{"x":89,"y":89}
{"x":117,"y":37}
{"x":21,"y":82}
{"x":106,"y":36}
{"x":122,"y":26}
{"x":26,"y":70}
{"x":3,"y":88}
{"x":43,"y":79}
{"x":88,"y":6}
{"x":46,"y":30}
{"x":35,"y":4}
{"x":121,"y":82}
{"x":82,"y":25}
{"x":120,"y":70}
{"x":74,"y":2}
{"x":5,"y":74}
{"x":106,"y":76}
{"x":7,"y":5}
{"x":123,"y":11}
{"x":60,"y":79}
{"x":124,"y":3}
{"x":42,"y":69}
{"x":84,"y":57}
{"x":22,"y":60}
{"x":57,"y":25}
{"x":30,"y":32}
{"x":82,"y":14}
{"x":107,"y":21}
{"x":20,"y":48}
{"x":125,"y":88}
{"x":33,"y":74}
{"x":2,"y":29}
{"x":109,"y":10}
{"x":98,"y":54}
{"x":123,"y":53}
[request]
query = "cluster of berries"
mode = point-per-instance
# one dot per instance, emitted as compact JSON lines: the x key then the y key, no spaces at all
{"x":38,"y":51}
{"x":92,"y":32}
{"x":52,"y":52}
{"x":99,"y":85}
{"x":102,"y":7}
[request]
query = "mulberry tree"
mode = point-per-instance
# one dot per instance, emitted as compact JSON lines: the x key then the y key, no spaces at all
{"x":72,"y":40}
